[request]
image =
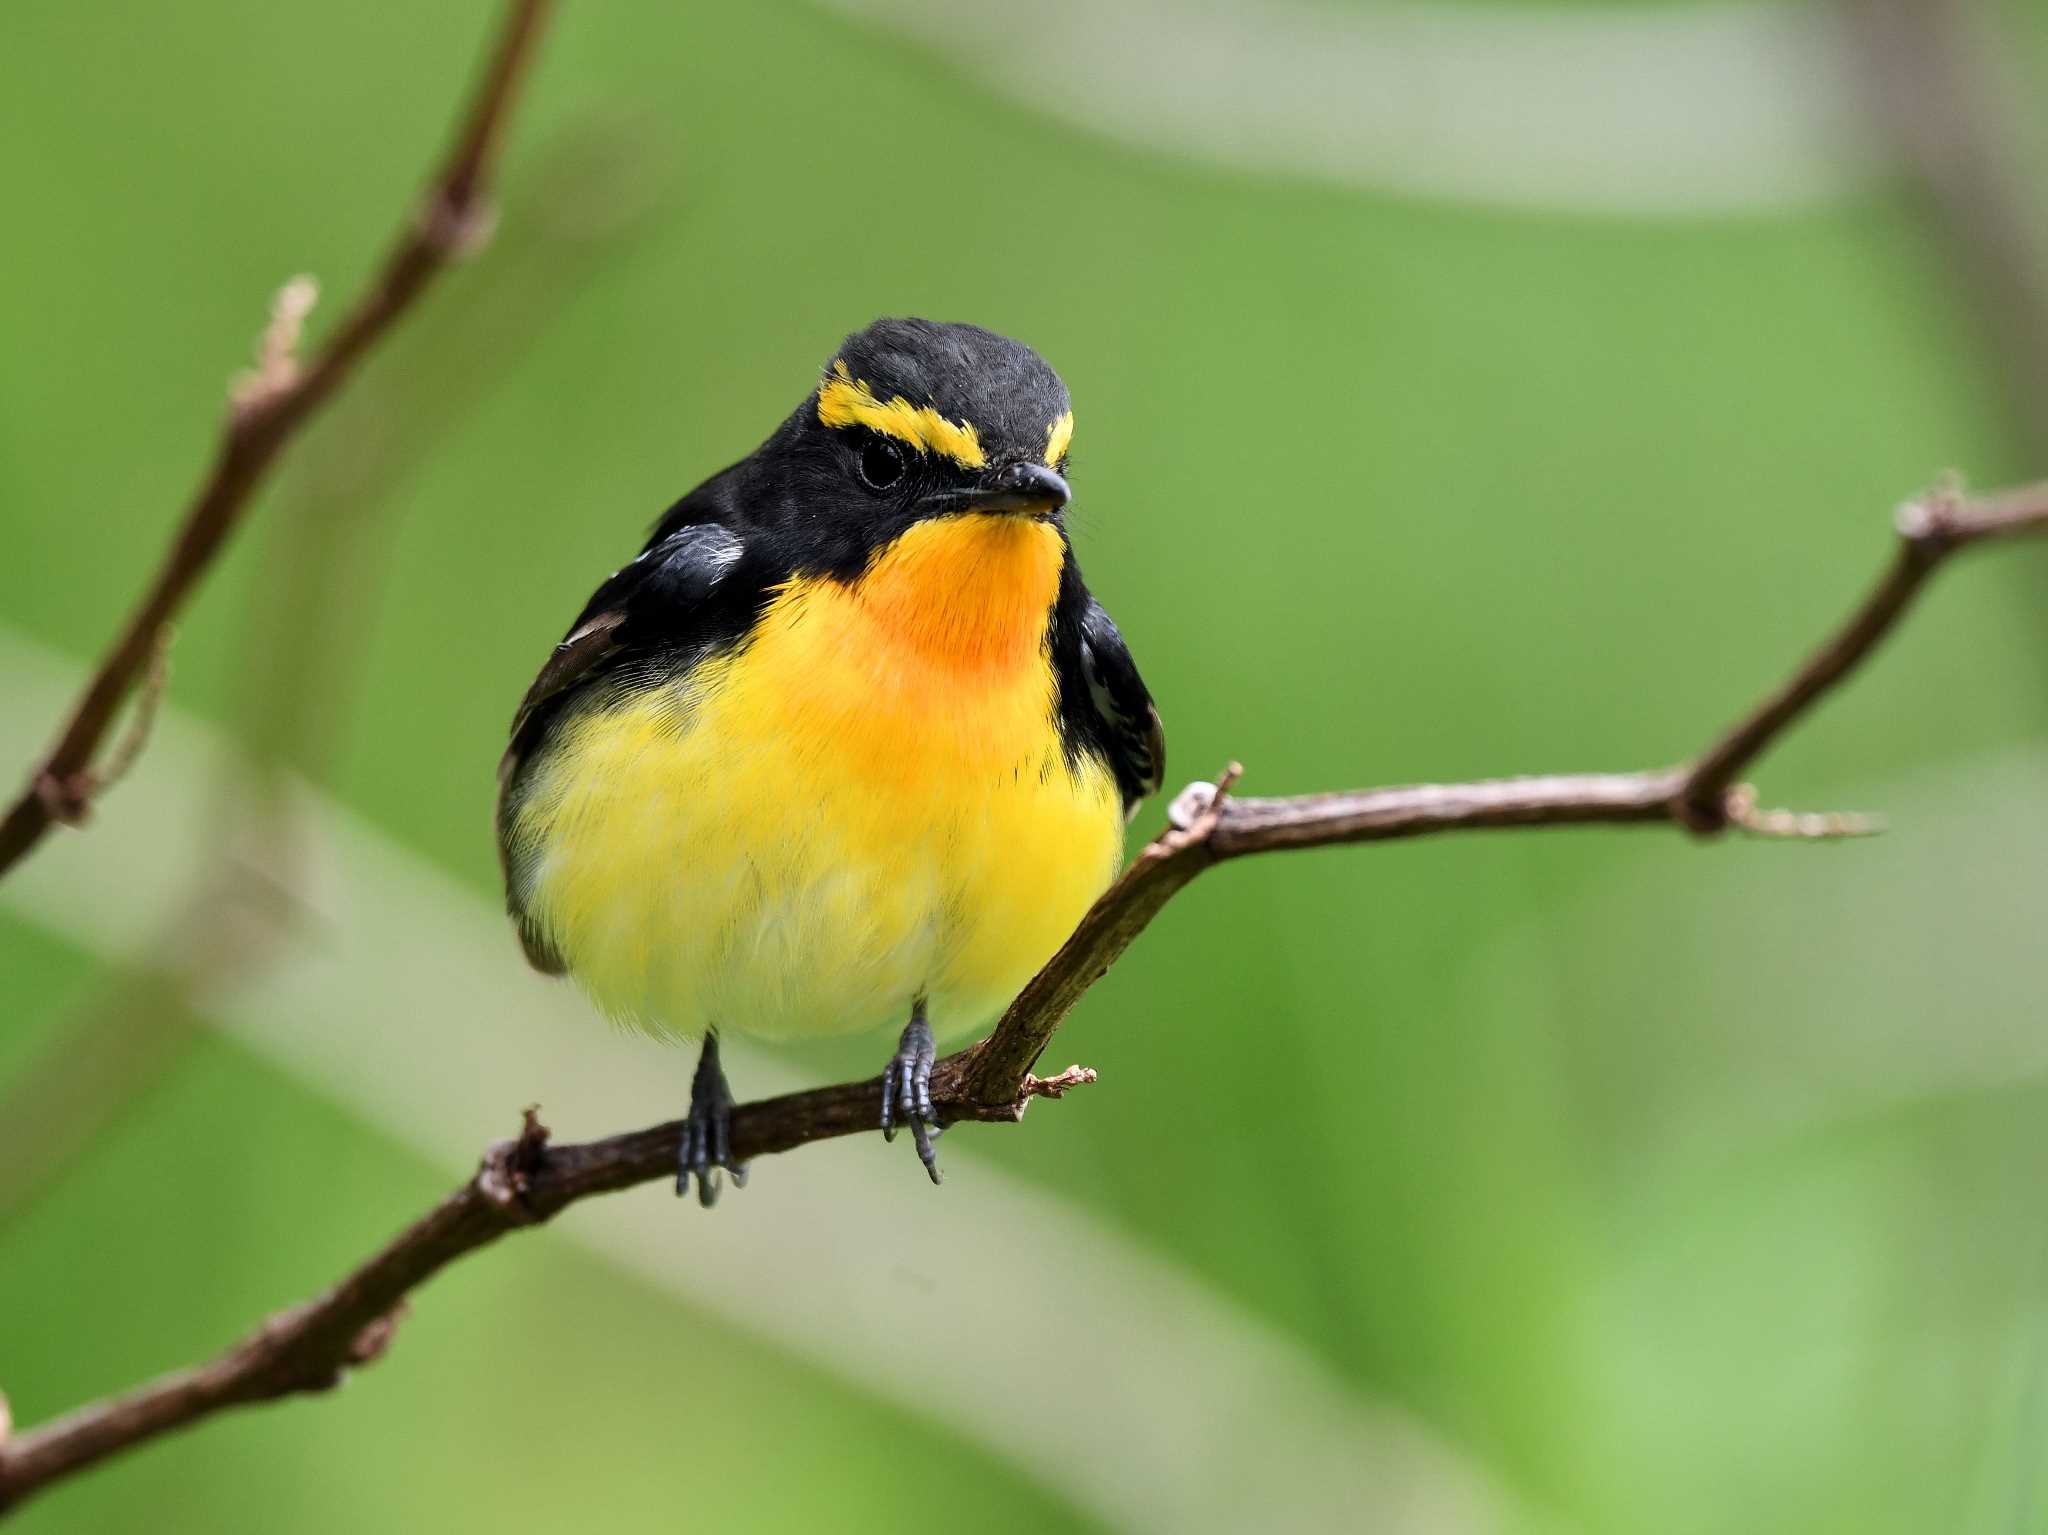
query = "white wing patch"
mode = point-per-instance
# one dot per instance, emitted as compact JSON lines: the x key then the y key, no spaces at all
{"x":707,"y":549}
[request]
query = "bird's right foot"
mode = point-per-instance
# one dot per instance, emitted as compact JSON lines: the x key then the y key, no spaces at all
{"x":707,"y":1131}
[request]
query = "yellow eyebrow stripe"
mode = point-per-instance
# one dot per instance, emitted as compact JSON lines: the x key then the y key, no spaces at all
{"x":1057,"y":437}
{"x":844,"y":400}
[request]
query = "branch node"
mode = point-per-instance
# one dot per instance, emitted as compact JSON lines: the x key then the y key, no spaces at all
{"x":533,"y":1136}
{"x":1705,"y":816}
{"x":456,"y":223}
{"x":1795,"y":825}
{"x":1188,"y":805}
{"x":1931,"y":522}
{"x":1195,"y":811}
{"x":1055,"y":1086}
{"x":368,"y":1346}
{"x":276,"y":372}
{"x":506,"y":1175}
{"x":65,"y":797}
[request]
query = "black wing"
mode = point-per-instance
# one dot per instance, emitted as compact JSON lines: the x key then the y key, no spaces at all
{"x":1104,"y":705}
{"x":687,"y":593}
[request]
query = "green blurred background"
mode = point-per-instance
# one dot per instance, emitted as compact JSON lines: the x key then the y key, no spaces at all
{"x":1552,"y":1181}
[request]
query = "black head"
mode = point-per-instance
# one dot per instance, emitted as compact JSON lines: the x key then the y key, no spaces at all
{"x":911,"y":419}
{"x":1000,"y":399}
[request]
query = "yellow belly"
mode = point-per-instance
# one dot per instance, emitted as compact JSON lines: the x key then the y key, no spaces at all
{"x":866,"y":804}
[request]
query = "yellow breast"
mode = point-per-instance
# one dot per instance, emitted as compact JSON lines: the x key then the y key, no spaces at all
{"x":866,"y":802}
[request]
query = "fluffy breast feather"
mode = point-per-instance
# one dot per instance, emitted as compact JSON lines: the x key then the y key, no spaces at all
{"x":866,"y":801}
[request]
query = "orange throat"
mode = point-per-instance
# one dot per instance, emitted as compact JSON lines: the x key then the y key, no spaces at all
{"x":970,"y":593}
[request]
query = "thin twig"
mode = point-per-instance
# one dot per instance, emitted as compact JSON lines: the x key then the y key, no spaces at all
{"x":524,"y":1181}
{"x":591,"y":191}
{"x":1930,"y":530}
{"x":520,"y":1182}
{"x":1701,"y":796}
{"x":267,"y":407}
{"x":148,"y":699}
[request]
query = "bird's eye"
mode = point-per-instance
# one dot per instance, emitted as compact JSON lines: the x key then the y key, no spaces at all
{"x":881,"y":462}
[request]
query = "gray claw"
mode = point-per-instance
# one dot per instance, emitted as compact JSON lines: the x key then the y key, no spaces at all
{"x":707,"y":1132}
{"x":907,"y":1089}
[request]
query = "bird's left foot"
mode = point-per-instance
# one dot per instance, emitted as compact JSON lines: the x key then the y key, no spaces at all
{"x":707,"y":1132}
{"x":907,"y":1090}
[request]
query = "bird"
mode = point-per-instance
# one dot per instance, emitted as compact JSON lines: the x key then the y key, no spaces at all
{"x":848,"y":744}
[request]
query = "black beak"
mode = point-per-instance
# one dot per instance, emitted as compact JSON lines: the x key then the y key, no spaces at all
{"x":1031,"y":488}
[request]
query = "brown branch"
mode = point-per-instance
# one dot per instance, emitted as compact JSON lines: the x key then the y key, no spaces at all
{"x":524,"y":1181}
{"x":267,"y":407}
{"x":521,"y":1182}
{"x":1700,"y":796}
{"x":1930,"y":530}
